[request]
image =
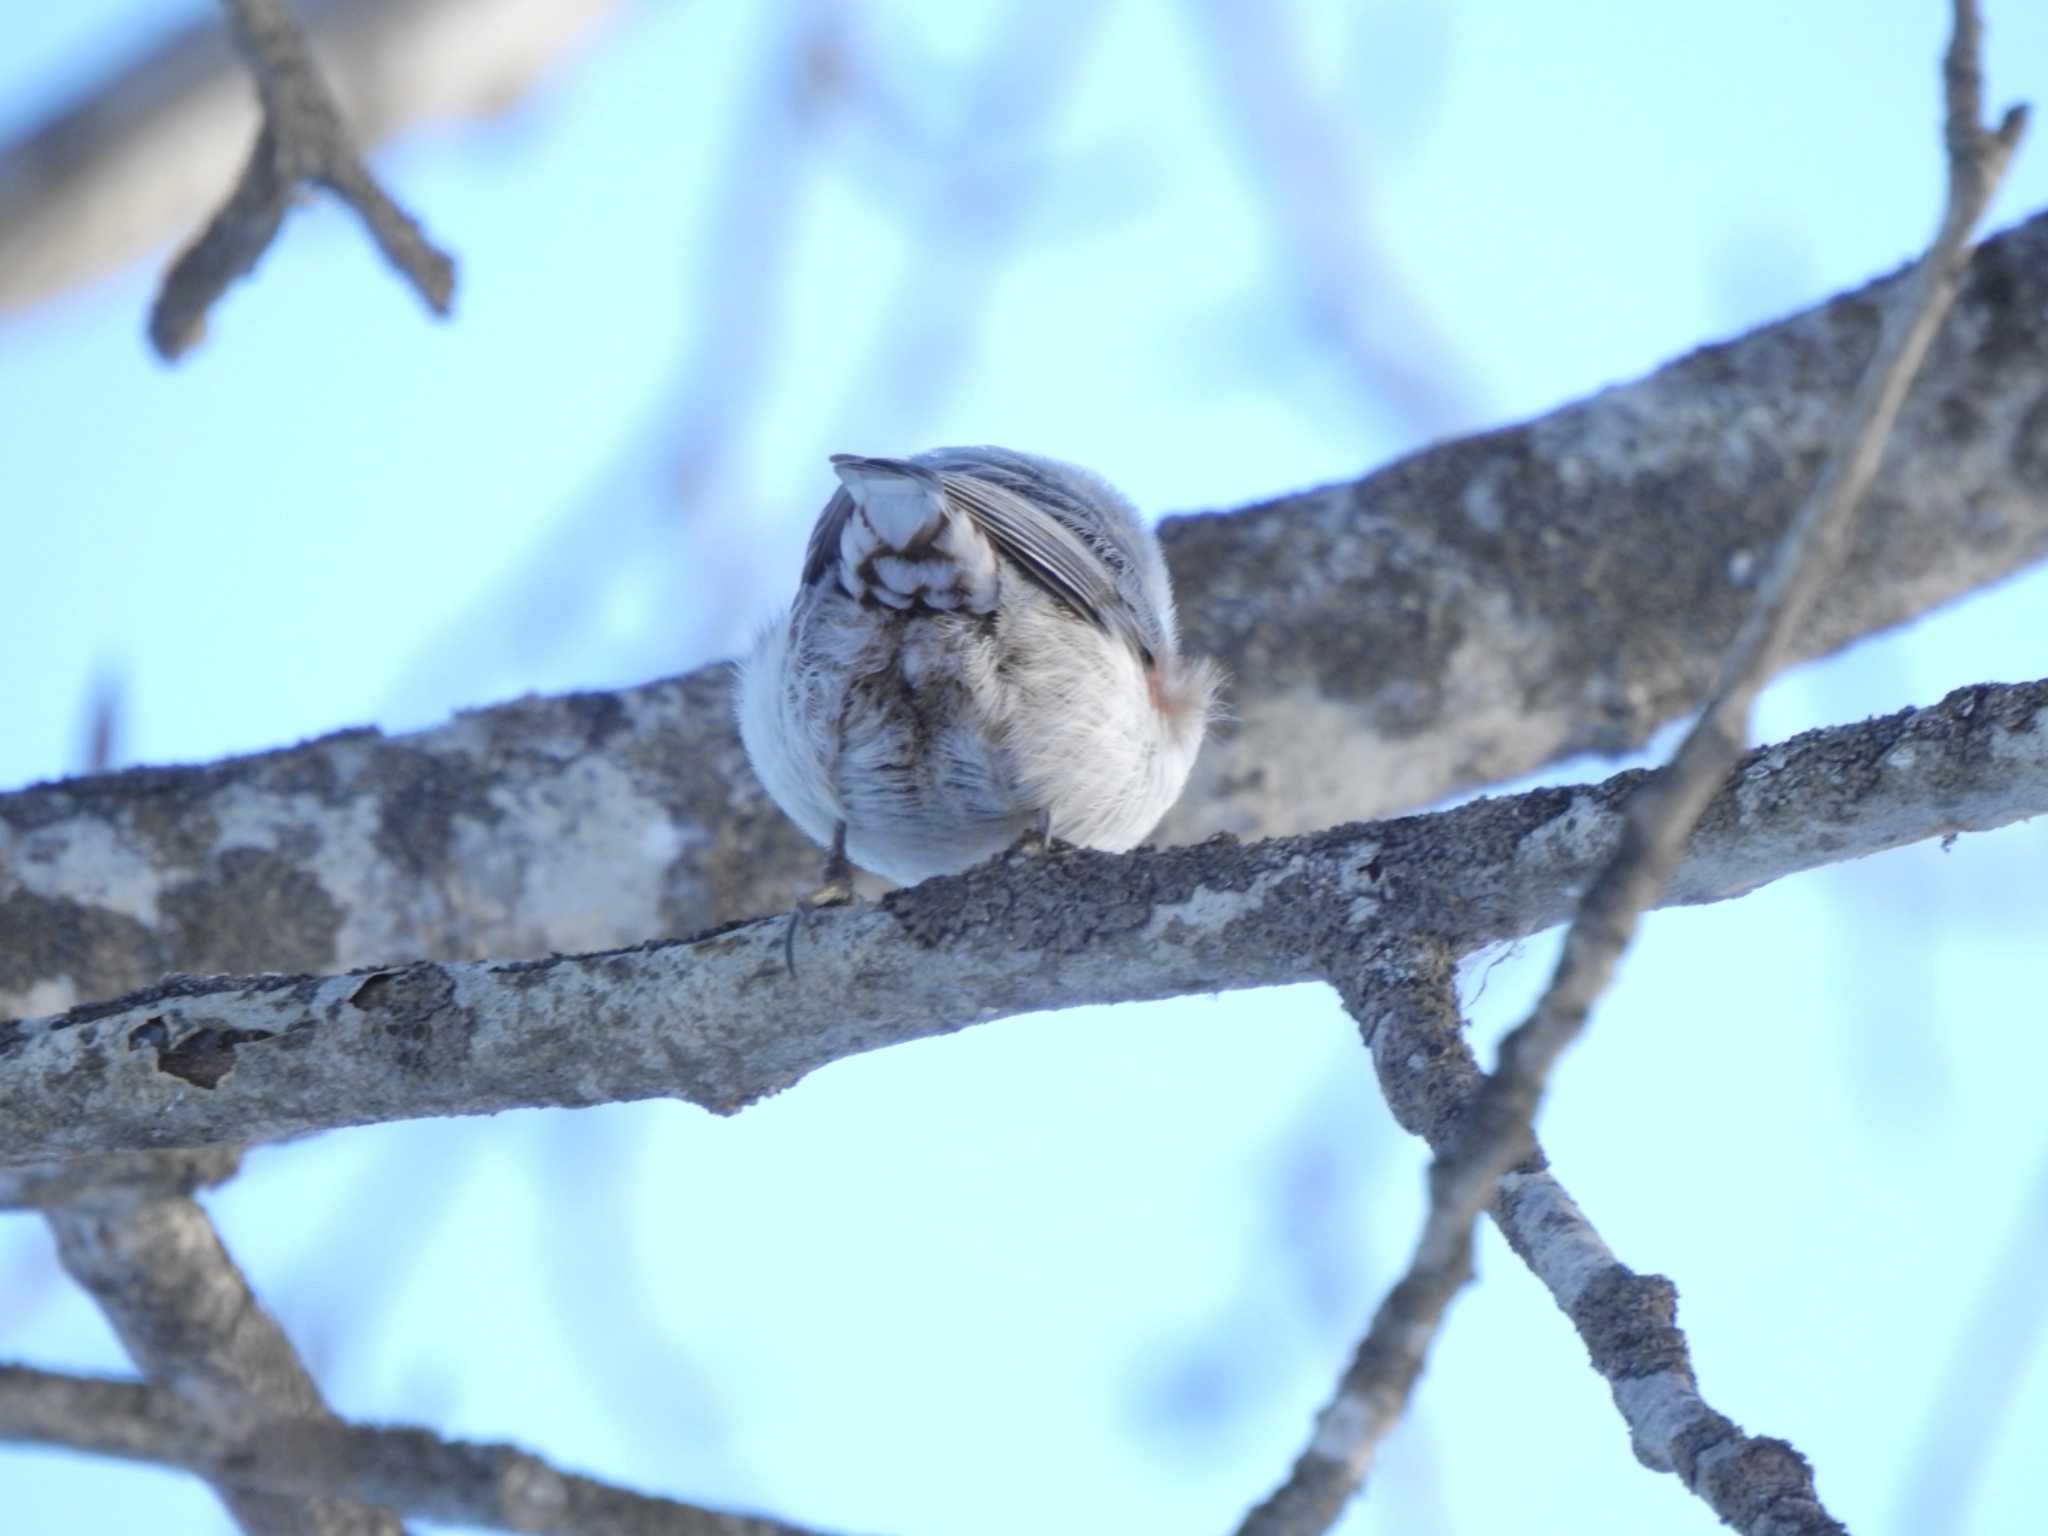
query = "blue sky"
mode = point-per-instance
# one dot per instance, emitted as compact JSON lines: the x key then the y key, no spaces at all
{"x":952,"y":1287}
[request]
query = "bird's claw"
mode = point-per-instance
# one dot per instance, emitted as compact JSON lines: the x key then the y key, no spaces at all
{"x":835,"y":890}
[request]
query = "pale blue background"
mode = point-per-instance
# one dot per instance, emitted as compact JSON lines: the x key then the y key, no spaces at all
{"x":1091,"y":1272}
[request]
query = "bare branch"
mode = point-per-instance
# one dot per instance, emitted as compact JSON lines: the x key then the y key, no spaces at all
{"x":1661,"y":818}
{"x":1407,"y":1011}
{"x":138,"y":158}
{"x":718,"y":1021}
{"x":1498,"y":1132}
{"x":498,"y":1487}
{"x":34,"y":1185}
{"x":303,"y":140}
{"x":1629,"y":1322}
{"x":1303,"y":165}
{"x":187,"y":1318}
{"x":1464,"y":615}
{"x":1409,"y":991}
{"x":1405,"y":1002}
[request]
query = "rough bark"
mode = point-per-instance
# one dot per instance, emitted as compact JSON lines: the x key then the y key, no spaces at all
{"x":1469,"y":613}
{"x":720,"y":1021}
{"x":305,"y":143}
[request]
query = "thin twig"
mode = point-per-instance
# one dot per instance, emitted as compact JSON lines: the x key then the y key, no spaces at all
{"x":685,"y":469}
{"x":1408,"y":1011}
{"x":1405,"y":1000}
{"x":1305,"y":159}
{"x":304,"y":140}
{"x":498,"y":1487}
{"x":982,"y":189}
{"x":1498,"y":1133}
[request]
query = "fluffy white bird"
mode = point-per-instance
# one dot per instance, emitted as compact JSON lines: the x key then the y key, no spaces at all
{"x":982,"y":650}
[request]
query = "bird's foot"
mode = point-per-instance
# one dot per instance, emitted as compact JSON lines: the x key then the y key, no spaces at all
{"x":1037,"y":838}
{"x":834,"y":890}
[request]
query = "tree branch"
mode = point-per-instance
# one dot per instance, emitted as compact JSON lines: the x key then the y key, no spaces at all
{"x":1467,"y":614}
{"x":31,"y":1186}
{"x":1407,"y":1010}
{"x":1405,"y":1001}
{"x":188,"y":1319}
{"x":138,"y":158}
{"x":1304,"y":152}
{"x":130,"y":1195}
{"x":1496,"y":1133}
{"x":1984,"y":1377}
{"x":304,"y":140}
{"x":718,"y":1021}
{"x":495,"y":1486}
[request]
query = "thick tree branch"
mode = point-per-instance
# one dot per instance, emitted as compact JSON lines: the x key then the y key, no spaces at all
{"x":304,"y":140}
{"x":717,"y":1020}
{"x":1497,"y":1131}
{"x":498,"y":1487}
{"x":1466,"y":614}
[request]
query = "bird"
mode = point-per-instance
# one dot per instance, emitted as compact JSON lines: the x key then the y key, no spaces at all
{"x":982,"y":652}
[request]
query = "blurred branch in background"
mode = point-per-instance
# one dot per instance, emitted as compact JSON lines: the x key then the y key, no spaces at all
{"x":623,"y":549}
{"x":615,"y":1310}
{"x":141,"y":157}
{"x":1303,"y":156}
{"x":152,"y":1261}
{"x":978,"y":196}
{"x":334,"y":1307}
{"x":965,"y":190}
{"x":304,"y":141}
{"x":1977,"y":1392}
{"x":100,"y":743}
{"x":496,"y":1487}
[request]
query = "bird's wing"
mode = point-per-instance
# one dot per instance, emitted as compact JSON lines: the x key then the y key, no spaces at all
{"x":1039,"y":545}
{"x":1047,"y":552}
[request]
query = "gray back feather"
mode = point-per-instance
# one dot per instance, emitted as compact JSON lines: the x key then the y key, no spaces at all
{"x":1059,"y":526}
